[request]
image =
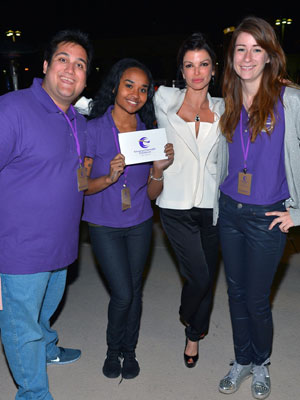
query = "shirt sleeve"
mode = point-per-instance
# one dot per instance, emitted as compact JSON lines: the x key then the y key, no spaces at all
{"x":91,"y":143}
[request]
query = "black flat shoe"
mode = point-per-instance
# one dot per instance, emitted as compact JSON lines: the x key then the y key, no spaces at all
{"x":130,"y":368}
{"x":112,"y":364}
{"x":190,"y":361}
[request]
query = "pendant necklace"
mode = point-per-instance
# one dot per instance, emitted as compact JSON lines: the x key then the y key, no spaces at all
{"x":197,"y":117}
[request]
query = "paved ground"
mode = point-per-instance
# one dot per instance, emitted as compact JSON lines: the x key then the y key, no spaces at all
{"x":81,"y":323}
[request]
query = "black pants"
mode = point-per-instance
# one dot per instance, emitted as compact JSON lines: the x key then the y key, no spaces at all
{"x":195,"y":243}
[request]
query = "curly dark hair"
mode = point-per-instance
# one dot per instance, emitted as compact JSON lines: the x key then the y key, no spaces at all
{"x":108,"y":90}
{"x":70,"y":36}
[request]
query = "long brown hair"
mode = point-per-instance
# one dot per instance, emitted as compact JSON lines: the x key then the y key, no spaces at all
{"x":274,"y":74}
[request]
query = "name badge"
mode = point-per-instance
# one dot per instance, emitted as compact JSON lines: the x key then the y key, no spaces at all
{"x":244,"y":183}
{"x":82,"y":179}
{"x":126,"y":200}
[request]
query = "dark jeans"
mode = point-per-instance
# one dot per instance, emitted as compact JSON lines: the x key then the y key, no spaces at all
{"x":251,"y":254}
{"x":122,"y":254}
{"x":195,"y":243}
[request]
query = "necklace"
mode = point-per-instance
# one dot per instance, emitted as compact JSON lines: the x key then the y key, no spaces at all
{"x":197,"y":117}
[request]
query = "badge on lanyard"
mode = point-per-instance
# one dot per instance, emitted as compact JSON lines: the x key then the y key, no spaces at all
{"x":244,"y":178}
{"x":125,"y":192}
{"x":244,"y":183}
{"x":82,"y":178}
{"x":126,"y":200}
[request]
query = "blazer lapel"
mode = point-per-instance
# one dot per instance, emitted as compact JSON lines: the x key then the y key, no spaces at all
{"x":210,"y":138}
{"x":180,"y":127}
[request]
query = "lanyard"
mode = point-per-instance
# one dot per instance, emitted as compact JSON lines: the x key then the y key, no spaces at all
{"x":74,"y":130}
{"x":245,"y":151}
{"x":119,"y":151}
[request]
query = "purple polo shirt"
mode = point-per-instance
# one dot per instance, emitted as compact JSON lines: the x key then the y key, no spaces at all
{"x":105,"y":207}
{"x":40,"y":206}
{"x":265,"y":162}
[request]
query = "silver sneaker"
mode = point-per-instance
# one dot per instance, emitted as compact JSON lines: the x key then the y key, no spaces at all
{"x":232,"y":381}
{"x":261,"y":383}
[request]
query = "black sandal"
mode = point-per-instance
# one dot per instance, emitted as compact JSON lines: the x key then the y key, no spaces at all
{"x":190,"y":361}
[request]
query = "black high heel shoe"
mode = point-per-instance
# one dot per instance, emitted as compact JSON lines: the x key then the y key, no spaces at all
{"x":190,"y":361}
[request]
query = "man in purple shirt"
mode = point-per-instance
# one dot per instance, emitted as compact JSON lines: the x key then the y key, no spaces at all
{"x":42,"y":144}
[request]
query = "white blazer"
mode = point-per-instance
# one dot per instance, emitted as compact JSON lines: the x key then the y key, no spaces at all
{"x":183,"y":177}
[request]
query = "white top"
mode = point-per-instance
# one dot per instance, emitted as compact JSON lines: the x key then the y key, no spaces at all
{"x":190,"y":181}
{"x":205,"y":194}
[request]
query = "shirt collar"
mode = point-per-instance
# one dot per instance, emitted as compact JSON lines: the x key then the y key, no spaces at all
{"x":140,"y":125}
{"x":44,"y":98}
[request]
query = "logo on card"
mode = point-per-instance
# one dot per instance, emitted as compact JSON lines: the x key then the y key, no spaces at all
{"x":144,"y":142}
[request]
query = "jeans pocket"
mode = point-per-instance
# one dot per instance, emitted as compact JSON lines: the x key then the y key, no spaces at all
{"x":260,"y":211}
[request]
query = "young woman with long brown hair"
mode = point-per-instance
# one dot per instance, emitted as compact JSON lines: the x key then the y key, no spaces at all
{"x":259,"y":198}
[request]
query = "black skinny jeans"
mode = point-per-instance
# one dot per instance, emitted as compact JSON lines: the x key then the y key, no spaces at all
{"x":195,"y":243}
{"x":122,"y":254}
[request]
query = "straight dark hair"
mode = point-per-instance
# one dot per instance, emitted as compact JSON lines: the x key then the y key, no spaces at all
{"x":70,"y":36}
{"x":196,"y":41}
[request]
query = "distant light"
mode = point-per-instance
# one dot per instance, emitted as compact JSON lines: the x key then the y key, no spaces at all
{"x":97,"y":69}
{"x":13,"y":34}
{"x":283,"y":21}
{"x":26,"y":69}
{"x":229,"y":29}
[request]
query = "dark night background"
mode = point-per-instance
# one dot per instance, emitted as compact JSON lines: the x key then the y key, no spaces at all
{"x":150,"y":31}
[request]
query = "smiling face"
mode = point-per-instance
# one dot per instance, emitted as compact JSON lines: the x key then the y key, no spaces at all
{"x":249,"y":59}
{"x":65,"y":75}
{"x":132,"y":91}
{"x":197,"y":69}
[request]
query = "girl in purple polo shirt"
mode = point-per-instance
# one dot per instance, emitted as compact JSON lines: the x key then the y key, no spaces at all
{"x":117,"y":204}
{"x":259,"y":164}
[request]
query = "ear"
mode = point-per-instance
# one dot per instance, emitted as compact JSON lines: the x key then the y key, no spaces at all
{"x":45,"y":67}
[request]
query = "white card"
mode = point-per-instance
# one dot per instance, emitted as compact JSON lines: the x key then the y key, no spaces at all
{"x":143,"y":146}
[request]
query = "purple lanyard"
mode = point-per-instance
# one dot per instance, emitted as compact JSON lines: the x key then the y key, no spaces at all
{"x":74,"y":130}
{"x":119,"y":151}
{"x":245,"y":151}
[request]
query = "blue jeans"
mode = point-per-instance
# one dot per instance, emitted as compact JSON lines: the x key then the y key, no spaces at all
{"x":196,"y":243}
{"x":122,"y":254}
{"x":29,"y":301}
{"x":251,"y":254}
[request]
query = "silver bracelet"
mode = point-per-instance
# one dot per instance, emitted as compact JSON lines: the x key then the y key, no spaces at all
{"x":157,"y":179}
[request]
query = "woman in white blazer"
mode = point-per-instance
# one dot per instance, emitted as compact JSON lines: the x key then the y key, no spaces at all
{"x":190,"y":117}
